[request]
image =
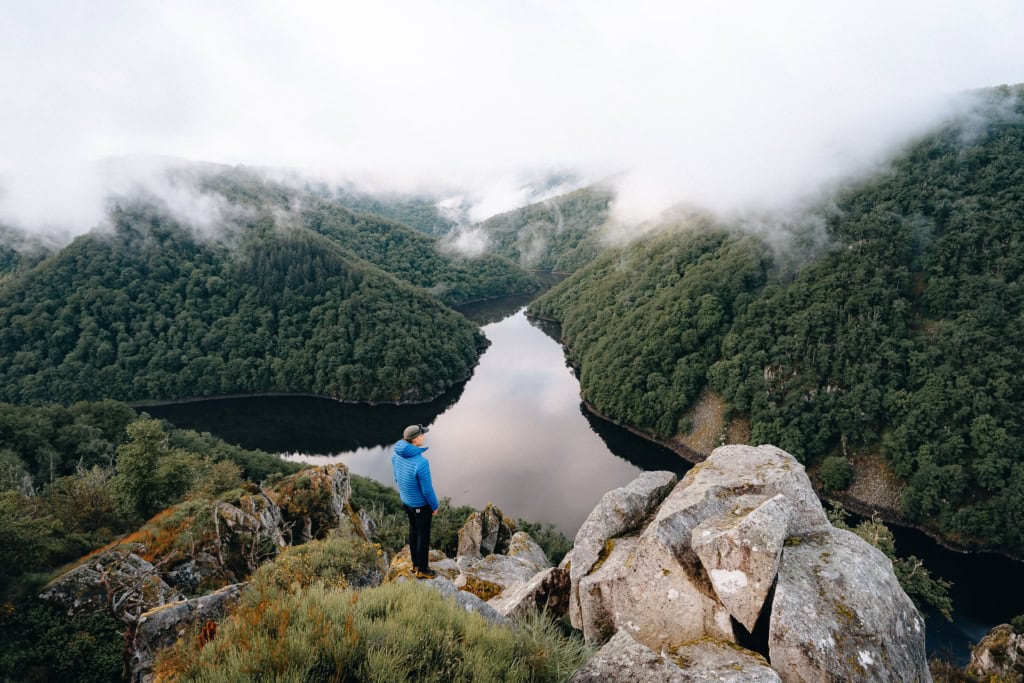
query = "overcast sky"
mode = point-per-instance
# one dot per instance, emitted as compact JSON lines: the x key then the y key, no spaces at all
{"x":720,"y":104}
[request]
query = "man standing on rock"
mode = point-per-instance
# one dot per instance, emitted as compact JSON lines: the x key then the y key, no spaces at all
{"x":412,"y":474}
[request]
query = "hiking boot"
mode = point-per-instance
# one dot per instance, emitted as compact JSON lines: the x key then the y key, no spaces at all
{"x":426,"y":574}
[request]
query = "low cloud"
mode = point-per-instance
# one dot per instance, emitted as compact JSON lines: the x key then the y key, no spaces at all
{"x":726,"y":107}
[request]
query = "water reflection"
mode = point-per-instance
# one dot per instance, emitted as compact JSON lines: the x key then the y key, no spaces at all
{"x":516,"y":437}
{"x":304,"y":424}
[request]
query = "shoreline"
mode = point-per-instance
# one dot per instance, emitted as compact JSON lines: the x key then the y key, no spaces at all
{"x":852,"y":504}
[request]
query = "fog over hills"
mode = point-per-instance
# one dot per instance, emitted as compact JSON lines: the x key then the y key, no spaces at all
{"x":724,"y":108}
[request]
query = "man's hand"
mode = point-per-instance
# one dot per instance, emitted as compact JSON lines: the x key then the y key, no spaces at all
{"x":435,"y":511}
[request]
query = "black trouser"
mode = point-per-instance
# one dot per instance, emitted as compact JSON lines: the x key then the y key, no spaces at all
{"x":419,"y":535}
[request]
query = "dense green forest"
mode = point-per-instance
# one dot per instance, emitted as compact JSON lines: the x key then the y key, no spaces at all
{"x":70,"y":480}
{"x":905,"y":337}
{"x":557,"y":234}
{"x":419,"y":212}
{"x":398,"y":249}
{"x":19,"y":251}
{"x":151,"y":311}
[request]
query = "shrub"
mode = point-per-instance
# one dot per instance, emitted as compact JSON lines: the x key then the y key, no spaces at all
{"x":1017,"y":623}
{"x":835,"y":473}
{"x":338,"y":561}
{"x":42,"y":643}
{"x":396,"y":632}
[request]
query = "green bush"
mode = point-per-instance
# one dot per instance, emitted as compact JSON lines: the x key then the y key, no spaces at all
{"x":835,"y":473}
{"x":397,"y":632}
{"x":338,"y":561}
{"x":41,"y":643}
{"x":1018,"y":624}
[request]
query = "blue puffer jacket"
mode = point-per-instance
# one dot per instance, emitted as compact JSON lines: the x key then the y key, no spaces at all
{"x":412,"y":473}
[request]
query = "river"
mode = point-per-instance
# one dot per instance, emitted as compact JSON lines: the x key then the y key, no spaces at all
{"x":516,"y":435}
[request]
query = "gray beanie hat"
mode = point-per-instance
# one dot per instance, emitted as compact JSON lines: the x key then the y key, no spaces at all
{"x":412,"y":431}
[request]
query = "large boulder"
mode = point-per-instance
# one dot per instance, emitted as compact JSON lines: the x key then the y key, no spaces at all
{"x":118,"y":580}
{"x":547,"y":591}
{"x":639,"y":587}
{"x":496,"y":573}
{"x":999,"y":656}
{"x":162,"y":626}
{"x":525,"y":548}
{"x":484,"y":533}
{"x":741,"y":553}
{"x":468,"y":601}
{"x":618,"y":512}
{"x":839,"y":614}
{"x":702,"y":562}
{"x":623,"y":660}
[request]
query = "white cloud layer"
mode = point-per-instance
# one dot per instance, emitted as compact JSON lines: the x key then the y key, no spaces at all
{"x":719,"y":104}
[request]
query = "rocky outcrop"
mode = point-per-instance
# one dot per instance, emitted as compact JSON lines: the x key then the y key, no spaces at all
{"x":314,"y":501}
{"x":547,"y":591}
{"x":839,"y":614}
{"x":524,"y":548}
{"x":118,"y":580}
{"x":618,"y":512}
{"x":741,"y":555}
{"x":484,"y":533}
{"x":702,"y":562}
{"x":513,"y":582}
{"x":246,"y":535}
{"x":161,"y":626}
{"x":999,"y":656}
{"x":623,"y":660}
{"x":468,"y":601}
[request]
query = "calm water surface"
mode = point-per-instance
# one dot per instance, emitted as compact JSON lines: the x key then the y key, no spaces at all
{"x":516,"y":435}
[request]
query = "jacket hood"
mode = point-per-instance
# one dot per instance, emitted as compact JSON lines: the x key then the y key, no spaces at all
{"x":404,"y":449}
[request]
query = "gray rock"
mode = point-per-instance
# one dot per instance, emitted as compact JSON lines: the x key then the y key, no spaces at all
{"x":496,"y":573}
{"x":192,"y":575}
{"x":468,"y":601}
{"x":341,"y":491}
{"x":118,"y":580}
{"x":623,"y":660}
{"x":161,"y":626}
{"x":839,"y":614}
{"x":547,"y":591}
{"x":999,"y":656}
{"x":369,"y":525}
{"x":484,"y":533}
{"x":736,"y":478}
{"x":618,"y":512}
{"x":740,"y":552}
{"x":249,"y":535}
{"x":525,"y":548}
{"x":639,"y":587}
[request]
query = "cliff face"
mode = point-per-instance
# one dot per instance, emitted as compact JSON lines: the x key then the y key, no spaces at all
{"x":740,"y":552}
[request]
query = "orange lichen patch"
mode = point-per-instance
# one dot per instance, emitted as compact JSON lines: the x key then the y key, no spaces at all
{"x":401,"y":566}
{"x":485,"y":590}
{"x":164,"y":534}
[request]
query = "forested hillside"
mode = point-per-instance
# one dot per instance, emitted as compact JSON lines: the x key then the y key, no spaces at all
{"x":150,"y":311}
{"x":406,"y":253}
{"x":905,"y":338}
{"x":557,"y":234}
{"x":419,"y":212}
{"x":19,"y":251}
